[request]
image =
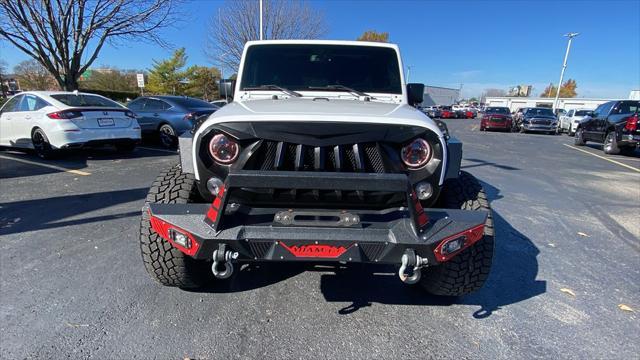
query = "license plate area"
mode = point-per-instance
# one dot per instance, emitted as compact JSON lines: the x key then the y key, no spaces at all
{"x":102,"y":122}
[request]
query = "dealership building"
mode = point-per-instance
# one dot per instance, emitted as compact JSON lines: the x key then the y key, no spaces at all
{"x":515,"y":103}
{"x":436,"y":95}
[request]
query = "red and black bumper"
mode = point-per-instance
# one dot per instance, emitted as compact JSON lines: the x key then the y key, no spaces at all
{"x":276,"y":234}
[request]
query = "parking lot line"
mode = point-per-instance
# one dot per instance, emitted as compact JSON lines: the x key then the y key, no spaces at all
{"x":55,"y":167}
{"x":604,"y":158}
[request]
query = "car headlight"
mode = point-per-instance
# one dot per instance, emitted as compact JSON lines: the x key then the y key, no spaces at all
{"x":223,"y":149}
{"x":416,"y":154}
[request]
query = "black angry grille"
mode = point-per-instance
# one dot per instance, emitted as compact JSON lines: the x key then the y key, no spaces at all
{"x":273,"y":155}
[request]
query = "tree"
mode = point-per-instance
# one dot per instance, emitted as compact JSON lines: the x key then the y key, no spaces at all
{"x":33,"y":76}
{"x":238,"y":22}
{"x":3,"y":71}
{"x":372,"y":35}
{"x":111,"y":79}
{"x":167,"y":76}
{"x":567,"y":90}
{"x":203,"y":82}
{"x":67,"y":36}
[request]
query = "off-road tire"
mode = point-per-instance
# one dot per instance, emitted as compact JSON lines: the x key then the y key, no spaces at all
{"x":164,"y":263}
{"x":467,"y":271}
{"x":578,"y":138}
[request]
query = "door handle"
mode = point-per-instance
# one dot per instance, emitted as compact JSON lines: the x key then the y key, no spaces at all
{"x":28,"y":117}
{"x":156,"y":114}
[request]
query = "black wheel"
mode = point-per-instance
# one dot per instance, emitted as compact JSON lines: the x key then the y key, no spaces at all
{"x":468,"y":271}
{"x":578,"y":139}
{"x":610,"y":145}
{"x":126,"y":147}
{"x":522,"y":131}
{"x":41,"y":144}
{"x":168,"y":138}
{"x":164,"y":263}
{"x":569,"y":132}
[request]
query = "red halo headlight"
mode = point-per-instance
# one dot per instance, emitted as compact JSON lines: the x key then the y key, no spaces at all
{"x":223,"y":149}
{"x":416,"y":154}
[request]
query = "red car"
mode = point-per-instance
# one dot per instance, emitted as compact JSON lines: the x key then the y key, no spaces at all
{"x":447,"y":113}
{"x":469,"y":114}
{"x":496,"y":118}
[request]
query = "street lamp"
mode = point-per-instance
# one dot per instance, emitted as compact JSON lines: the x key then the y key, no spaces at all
{"x":564,"y":66}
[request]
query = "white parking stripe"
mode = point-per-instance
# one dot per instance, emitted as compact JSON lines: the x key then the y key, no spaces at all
{"x":604,"y":158}
{"x":55,"y":167}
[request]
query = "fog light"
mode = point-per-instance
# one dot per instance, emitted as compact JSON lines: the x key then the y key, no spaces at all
{"x":213,"y":185}
{"x":453,"y":245}
{"x":424,"y":190}
{"x":180,"y":238}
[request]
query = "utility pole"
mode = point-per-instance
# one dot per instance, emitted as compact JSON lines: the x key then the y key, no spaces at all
{"x":261,"y":20}
{"x":564,"y":66}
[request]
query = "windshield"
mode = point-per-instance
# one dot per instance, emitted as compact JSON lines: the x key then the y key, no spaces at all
{"x":540,"y":112}
{"x":582,"y":113}
{"x":300,"y":67}
{"x":191,"y":103}
{"x":84,"y":100}
{"x":497,"y":110}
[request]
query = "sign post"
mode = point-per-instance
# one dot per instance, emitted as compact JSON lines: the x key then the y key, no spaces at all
{"x":140,"y":78}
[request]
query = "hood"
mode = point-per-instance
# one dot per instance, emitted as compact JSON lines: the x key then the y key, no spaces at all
{"x":322,"y":109}
{"x":550,"y":117}
{"x":498,"y":115}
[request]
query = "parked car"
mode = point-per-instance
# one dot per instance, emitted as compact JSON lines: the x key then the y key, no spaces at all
{"x":496,"y":118}
{"x":432,"y":111}
{"x":169,"y":116}
{"x":47,"y":121}
{"x":613,"y":124}
{"x":539,"y":120}
{"x":447,"y":113}
{"x":569,"y":122}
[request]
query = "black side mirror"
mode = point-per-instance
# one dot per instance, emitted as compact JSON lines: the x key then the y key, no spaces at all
{"x":415,"y":93}
{"x":226,"y":88}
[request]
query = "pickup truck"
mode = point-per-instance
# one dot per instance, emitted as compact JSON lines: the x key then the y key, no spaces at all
{"x":613,"y":124}
{"x":321,"y":157}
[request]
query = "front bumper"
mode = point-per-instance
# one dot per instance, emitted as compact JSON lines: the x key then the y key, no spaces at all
{"x":538,"y":127}
{"x":346,"y":235}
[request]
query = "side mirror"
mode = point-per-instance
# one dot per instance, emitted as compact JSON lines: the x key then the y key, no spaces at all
{"x":226,"y":88}
{"x":415,"y":93}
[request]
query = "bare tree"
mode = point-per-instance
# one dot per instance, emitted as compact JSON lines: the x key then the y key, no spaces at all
{"x":238,"y":22}
{"x":65,"y":36}
{"x":33,"y":76}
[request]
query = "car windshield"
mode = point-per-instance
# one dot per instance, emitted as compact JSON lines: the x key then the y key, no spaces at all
{"x":300,"y":67}
{"x":540,"y":112}
{"x":582,"y":113}
{"x":497,"y":110}
{"x":84,"y":100}
{"x":191,"y":103}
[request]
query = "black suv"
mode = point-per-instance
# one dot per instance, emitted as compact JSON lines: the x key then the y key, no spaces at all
{"x":613,"y":124}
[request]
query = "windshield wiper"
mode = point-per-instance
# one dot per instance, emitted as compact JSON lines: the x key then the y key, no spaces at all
{"x":340,"y":88}
{"x":274,"y":87}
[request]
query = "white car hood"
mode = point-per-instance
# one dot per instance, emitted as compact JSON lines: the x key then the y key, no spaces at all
{"x":320,"y":110}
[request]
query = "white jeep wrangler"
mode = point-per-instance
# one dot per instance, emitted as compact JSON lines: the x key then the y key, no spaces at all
{"x":320,"y":157}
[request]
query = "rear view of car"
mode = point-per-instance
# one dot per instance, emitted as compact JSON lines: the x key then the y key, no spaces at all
{"x":169,"y":116}
{"x":49,"y":121}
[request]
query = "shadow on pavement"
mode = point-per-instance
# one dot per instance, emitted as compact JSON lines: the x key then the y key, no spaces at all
{"x":479,"y":162}
{"x":635,"y":154}
{"x":32,"y":215}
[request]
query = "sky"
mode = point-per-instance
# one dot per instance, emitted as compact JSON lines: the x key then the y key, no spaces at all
{"x":473,"y":44}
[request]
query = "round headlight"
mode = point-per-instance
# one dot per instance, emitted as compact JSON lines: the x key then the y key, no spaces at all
{"x":416,"y":154}
{"x":223,"y":149}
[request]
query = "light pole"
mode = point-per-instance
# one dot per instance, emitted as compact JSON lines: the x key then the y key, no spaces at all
{"x":564,"y":66}
{"x":260,"y":19}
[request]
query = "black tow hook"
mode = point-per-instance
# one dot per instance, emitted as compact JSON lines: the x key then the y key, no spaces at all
{"x":414,"y":262}
{"x":222,"y":258}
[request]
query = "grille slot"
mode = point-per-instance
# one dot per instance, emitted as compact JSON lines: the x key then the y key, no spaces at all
{"x":272,"y":155}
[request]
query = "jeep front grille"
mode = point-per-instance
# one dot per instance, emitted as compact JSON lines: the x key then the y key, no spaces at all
{"x":282,"y":156}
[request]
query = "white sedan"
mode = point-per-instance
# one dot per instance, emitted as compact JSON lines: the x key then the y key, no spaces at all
{"x":47,"y":121}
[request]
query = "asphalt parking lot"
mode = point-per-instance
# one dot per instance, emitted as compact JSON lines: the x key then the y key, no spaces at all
{"x":564,"y":282}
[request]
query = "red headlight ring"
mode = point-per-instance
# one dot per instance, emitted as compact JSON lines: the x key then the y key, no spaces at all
{"x":416,"y":154}
{"x":223,"y":149}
